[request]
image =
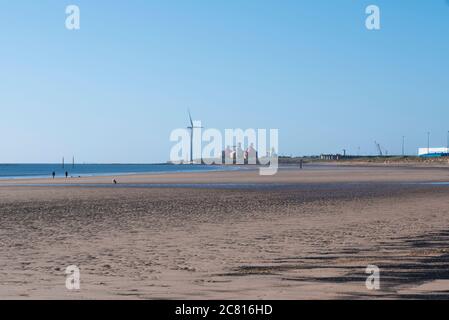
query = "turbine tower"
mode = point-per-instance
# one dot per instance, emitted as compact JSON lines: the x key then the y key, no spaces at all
{"x":191,"y":128}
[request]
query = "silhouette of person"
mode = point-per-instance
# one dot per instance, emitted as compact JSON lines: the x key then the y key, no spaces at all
{"x":53,"y":174}
{"x":114,"y":181}
{"x":66,"y":174}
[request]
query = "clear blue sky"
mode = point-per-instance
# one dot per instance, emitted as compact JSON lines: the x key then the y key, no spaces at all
{"x":113,"y":91}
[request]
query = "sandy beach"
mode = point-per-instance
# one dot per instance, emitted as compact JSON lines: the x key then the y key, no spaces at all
{"x":301,"y":234}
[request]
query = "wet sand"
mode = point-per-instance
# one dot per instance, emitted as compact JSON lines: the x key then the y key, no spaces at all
{"x":306,"y":234}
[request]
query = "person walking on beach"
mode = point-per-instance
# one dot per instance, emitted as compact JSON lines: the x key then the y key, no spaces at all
{"x":53,"y":174}
{"x":66,"y":174}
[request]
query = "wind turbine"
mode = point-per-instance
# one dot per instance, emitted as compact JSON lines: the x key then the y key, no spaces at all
{"x":191,"y":128}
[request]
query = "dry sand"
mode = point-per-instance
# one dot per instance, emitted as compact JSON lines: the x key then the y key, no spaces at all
{"x":235,"y":235}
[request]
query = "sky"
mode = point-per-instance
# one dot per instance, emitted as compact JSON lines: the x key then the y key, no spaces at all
{"x":113,"y":91}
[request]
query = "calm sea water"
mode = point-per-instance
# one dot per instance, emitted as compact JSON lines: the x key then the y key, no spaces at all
{"x":17,"y":171}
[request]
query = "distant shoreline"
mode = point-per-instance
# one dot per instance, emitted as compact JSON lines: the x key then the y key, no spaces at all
{"x":370,"y":161}
{"x":21,"y":172}
{"x":287,"y":174}
{"x":44,"y":171}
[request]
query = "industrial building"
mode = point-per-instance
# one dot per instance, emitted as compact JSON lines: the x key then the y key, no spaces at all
{"x":433,"y":152}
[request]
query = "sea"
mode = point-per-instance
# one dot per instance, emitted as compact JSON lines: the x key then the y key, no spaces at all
{"x":27,"y":171}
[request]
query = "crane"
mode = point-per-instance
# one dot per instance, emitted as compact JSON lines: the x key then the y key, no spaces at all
{"x":379,"y":148}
